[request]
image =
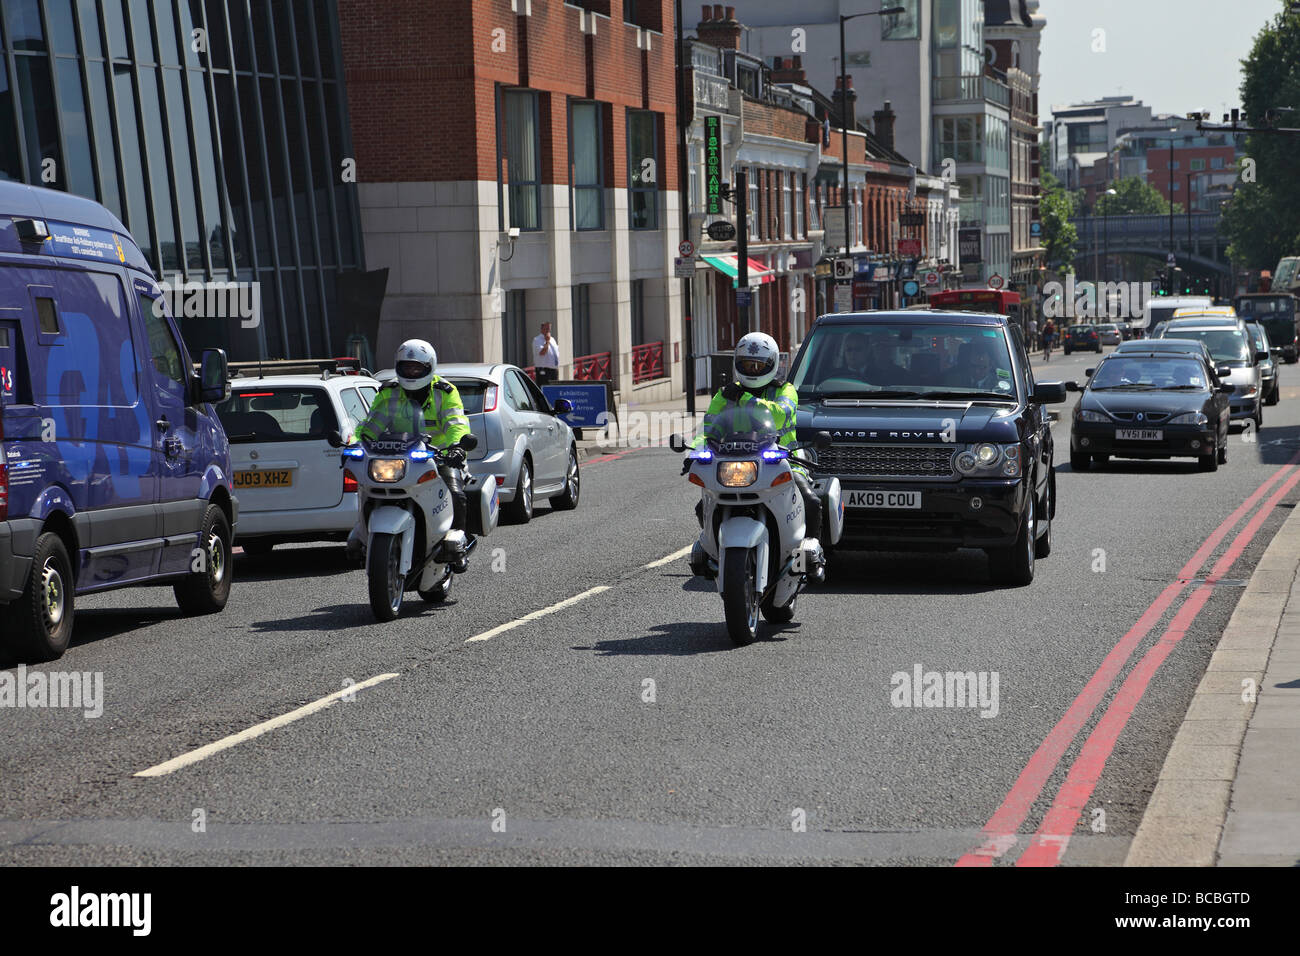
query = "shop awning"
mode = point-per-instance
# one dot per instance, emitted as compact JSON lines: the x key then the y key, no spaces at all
{"x":729,"y":265}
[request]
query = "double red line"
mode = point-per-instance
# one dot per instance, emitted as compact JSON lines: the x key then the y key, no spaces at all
{"x":1053,"y":836}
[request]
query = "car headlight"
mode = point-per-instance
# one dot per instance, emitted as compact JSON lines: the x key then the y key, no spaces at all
{"x":1247,"y":391}
{"x":1190,"y":418}
{"x":1089,"y":416}
{"x":737,"y":474}
{"x":387,"y":469}
{"x":987,"y":458}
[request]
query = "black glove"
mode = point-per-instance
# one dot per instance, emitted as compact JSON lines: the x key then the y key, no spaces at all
{"x":686,"y":464}
{"x":454,"y":457}
{"x":733,"y":391}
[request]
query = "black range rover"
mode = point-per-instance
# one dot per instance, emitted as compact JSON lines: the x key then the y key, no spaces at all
{"x":938,"y":433}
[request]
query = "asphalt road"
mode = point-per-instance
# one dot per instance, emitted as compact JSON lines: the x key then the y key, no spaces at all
{"x":625,"y":727}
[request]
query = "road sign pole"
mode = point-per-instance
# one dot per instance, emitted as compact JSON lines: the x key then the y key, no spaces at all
{"x":683,"y":164}
{"x":742,"y":248}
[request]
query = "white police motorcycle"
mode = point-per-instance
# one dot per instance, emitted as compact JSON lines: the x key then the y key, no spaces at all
{"x":407,"y":509}
{"x":754,"y":538}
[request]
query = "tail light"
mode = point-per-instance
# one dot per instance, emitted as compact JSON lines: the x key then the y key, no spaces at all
{"x":349,"y":481}
{"x":490,"y":399}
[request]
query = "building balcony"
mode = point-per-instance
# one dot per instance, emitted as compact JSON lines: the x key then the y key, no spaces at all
{"x":966,"y":89}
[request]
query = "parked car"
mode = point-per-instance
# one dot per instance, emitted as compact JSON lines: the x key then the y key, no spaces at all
{"x":1109,"y":333}
{"x":114,"y":469}
{"x":1081,"y":337}
{"x":278,"y":419}
{"x":1268,"y":366}
{"x":522,"y":440}
{"x":1236,"y":360}
{"x":941,"y":443}
{"x":1151,"y":404}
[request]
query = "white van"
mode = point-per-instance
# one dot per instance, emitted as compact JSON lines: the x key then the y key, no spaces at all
{"x":1162,"y":309}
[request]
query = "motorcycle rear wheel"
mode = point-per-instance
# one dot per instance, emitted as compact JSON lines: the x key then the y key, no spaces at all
{"x":740,"y":597}
{"x":383,"y":562}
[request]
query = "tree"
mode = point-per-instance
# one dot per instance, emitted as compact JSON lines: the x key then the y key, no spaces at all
{"x":1056,"y":208}
{"x":1262,"y":219}
{"x":1133,"y":197}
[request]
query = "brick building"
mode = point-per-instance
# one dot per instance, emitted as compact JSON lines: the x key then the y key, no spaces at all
{"x":472,"y":118}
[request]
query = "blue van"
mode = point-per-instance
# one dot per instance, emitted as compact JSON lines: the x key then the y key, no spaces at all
{"x":114,"y":469}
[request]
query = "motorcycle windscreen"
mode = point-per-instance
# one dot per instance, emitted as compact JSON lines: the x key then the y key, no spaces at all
{"x":749,"y":424}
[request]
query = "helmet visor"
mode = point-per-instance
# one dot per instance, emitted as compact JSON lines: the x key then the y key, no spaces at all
{"x":413,"y":369}
{"x":754,"y":367}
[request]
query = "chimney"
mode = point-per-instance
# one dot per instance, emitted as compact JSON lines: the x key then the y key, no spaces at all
{"x":847,"y":112}
{"x":884,"y":125}
{"x":719,"y":27}
{"x":790,"y":70}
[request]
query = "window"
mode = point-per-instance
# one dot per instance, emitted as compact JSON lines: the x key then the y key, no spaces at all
{"x":901,"y":26}
{"x":165,"y":352}
{"x":1216,"y":162}
{"x":642,"y":166}
{"x":1198,"y":165}
{"x":787,"y":204}
{"x":285,"y":414}
{"x":517,"y":394}
{"x":1176,"y":186}
{"x":580,"y":296}
{"x":754,"y":210}
{"x":47,"y":316}
{"x":799,"y":180}
{"x":523,"y":159}
{"x":584,"y":150}
{"x":638,"y":311}
{"x":514,"y":330}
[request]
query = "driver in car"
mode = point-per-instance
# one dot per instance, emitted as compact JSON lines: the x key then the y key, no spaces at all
{"x":754,"y":365}
{"x":422,"y":403}
{"x":976,"y":368}
{"x":866,"y":358}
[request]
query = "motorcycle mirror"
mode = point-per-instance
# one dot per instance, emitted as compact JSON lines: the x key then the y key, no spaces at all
{"x":335,"y":439}
{"x":468,"y":442}
{"x":823,"y":441}
{"x":676,"y":443}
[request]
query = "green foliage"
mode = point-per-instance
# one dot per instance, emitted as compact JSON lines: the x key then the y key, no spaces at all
{"x":1133,"y":197}
{"x":1056,"y":207}
{"x":1262,"y":220}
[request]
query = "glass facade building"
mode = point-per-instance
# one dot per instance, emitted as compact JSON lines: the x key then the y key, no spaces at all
{"x":217,"y":131}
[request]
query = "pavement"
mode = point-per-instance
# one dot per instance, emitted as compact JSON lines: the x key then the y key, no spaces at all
{"x":1229,"y":792}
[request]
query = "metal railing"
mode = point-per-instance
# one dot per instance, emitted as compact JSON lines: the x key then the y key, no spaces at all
{"x":959,"y":89}
{"x":647,"y":362}
{"x":592,"y":368}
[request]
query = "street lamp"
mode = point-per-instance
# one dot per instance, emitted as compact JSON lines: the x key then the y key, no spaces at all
{"x":844,"y":110}
{"x":1105,"y":223}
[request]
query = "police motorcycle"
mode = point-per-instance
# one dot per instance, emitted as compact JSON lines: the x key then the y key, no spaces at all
{"x":407,"y":509}
{"x":754,"y":536}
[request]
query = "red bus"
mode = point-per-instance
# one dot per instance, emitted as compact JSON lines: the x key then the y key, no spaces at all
{"x":999,"y":301}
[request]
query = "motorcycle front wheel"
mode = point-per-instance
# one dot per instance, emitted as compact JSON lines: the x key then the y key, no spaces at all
{"x":740,"y":597}
{"x":383,"y":570}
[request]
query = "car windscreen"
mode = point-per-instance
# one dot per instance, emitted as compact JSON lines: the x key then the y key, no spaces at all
{"x":904,"y":360}
{"x":1121,"y":372}
{"x":1225,"y":345}
{"x":472,"y":392}
{"x":277,"y":413}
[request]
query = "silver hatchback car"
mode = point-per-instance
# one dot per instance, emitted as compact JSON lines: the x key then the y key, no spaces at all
{"x":522,"y":441}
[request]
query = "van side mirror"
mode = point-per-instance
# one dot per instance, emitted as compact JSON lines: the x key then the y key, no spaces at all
{"x":214,"y":377}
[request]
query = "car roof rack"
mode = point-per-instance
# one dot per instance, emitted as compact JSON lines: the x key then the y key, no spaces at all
{"x":327,"y":368}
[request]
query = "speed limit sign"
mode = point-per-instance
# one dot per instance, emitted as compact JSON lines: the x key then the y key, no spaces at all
{"x":686,"y":248}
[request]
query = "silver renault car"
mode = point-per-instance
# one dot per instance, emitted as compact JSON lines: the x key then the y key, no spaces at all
{"x":522,"y":441}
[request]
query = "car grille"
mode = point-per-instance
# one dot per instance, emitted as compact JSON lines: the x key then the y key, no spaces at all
{"x":932,"y":462}
{"x":1148,"y":418}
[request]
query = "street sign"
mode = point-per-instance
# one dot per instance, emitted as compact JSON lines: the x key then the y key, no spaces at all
{"x":995,"y":281}
{"x":911,"y":219}
{"x":1035,"y":228}
{"x":843,"y":298}
{"x":684,"y":268}
{"x":932,"y":278}
{"x":686,"y":248}
{"x":1171,"y":258}
{"x":744,"y":298}
{"x":969,"y":242}
{"x":713,"y":164}
{"x":909,"y":247}
{"x":721,"y":231}
{"x":911,"y":288}
{"x":843,"y":268}
{"x":833,"y":226}
{"x":591,"y":402}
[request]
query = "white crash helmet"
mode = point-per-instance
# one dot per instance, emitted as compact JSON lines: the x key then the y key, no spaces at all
{"x":757,"y":356}
{"x":414,"y":364}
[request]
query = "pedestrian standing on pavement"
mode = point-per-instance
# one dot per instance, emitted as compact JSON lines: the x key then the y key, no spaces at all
{"x":1032,"y":336}
{"x":546,"y":356}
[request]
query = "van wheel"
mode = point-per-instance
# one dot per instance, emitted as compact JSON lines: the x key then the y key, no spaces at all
{"x":40,"y":621}
{"x":206,"y":590}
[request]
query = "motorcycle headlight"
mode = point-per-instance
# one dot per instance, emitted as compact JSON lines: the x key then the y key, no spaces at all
{"x":387,"y":469}
{"x":737,"y":474}
{"x":1088,"y":416}
{"x":1190,"y":418}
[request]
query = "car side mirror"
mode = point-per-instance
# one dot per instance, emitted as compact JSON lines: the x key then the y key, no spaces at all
{"x":1261,"y":357}
{"x":1227,"y":388}
{"x":1049,"y":393}
{"x":334,"y":438}
{"x":214,"y":377}
{"x":822,"y":441}
{"x":1073,"y":386}
{"x":562,"y":406}
{"x":1223,"y":371}
{"x":1088,"y":372}
{"x":676,"y":443}
{"x":468,"y":442}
